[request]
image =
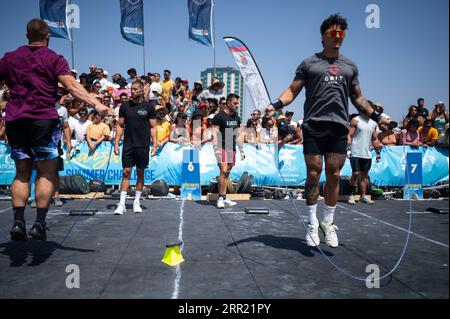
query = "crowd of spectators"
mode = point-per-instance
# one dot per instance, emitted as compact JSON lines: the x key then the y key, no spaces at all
{"x":178,"y":106}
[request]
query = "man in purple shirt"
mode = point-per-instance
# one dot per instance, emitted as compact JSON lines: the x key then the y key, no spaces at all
{"x":32,"y":73}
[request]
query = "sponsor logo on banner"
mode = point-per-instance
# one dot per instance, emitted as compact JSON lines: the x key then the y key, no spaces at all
{"x":133,"y":30}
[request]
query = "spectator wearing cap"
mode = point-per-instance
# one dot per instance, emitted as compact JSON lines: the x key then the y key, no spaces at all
{"x":439,"y":117}
{"x":167,"y":86}
{"x":153,"y":91}
{"x":387,"y":136}
{"x":197,"y":90}
{"x":121,"y":90}
{"x":74,"y":73}
{"x":429,"y":133}
{"x":411,"y":135}
{"x":215,"y":90}
{"x":96,"y":132}
{"x":132,"y":75}
{"x":296,"y":127}
{"x":79,"y":125}
{"x":83,"y":79}
{"x":92,"y":76}
{"x":162,"y":127}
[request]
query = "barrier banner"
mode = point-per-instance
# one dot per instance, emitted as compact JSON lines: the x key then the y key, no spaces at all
{"x":168,"y":165}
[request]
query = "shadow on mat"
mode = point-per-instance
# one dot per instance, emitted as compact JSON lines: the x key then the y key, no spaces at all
{"x":38,"y":251}
{"x":288,"y":243}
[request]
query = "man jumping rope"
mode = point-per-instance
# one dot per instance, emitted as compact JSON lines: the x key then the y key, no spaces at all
{"x":137,"y":119}
{"x":32,"y":73}
{"x":329,"y":79}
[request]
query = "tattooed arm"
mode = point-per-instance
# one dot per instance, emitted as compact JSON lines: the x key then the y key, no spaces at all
{"x":360,"y":102}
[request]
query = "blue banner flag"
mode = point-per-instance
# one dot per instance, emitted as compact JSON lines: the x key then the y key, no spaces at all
{"x":200,"y":21}
{"x":54,"y":13}
{"x":132,"y":21}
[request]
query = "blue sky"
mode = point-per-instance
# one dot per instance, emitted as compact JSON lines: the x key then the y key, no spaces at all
{"x":406,"y":58}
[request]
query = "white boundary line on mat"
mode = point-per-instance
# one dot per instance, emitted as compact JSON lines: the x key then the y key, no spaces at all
{"x":397,"y":227}
{"x":176,"y":284}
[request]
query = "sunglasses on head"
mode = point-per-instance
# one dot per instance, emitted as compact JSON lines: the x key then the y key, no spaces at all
{"x":335,"y":34}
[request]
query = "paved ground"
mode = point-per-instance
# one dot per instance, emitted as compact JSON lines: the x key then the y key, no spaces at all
{"x":228,"y":254}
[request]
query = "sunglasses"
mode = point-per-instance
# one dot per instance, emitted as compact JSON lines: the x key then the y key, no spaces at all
{"x":82,"y":114}
{"x":255,"y":114}
{"x":335,"y":34}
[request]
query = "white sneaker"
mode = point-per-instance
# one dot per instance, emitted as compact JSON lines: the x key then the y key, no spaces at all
{"x":366,"y":200}
{"x":312,"y":236}
{"x":228,"y":202}
{"x":329,"y":231}
{"x":220,"y":203}
{"x":120,"y":209}
{"x":351,"y":200}
{"x":137,"y":208}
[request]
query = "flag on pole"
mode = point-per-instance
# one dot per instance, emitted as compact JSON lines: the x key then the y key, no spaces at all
{"x":250,"y":72}
{"x":200,"y":21}
{"x":132,"y":21}
{"x":54,"y":13}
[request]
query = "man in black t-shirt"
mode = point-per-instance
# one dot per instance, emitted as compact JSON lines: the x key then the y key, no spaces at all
{"x":330,"y":79}
{"x":138,"y":119}
{"x":226,"y":135}
{"x":421,"y":109}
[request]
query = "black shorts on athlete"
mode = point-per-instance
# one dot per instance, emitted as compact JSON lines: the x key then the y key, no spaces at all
{"x":324,"y":137}
{"x":360,"y":164}
{"x":34,"y":139}
{"x":135,"y":156}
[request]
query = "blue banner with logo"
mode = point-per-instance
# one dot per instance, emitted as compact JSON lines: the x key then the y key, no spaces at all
{"x":168,"y":165}
{"x":200,"y":21}
{"x":54,"y":13}
{"x":132,"y":21}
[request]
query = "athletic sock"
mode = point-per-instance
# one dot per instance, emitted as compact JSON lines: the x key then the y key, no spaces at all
{"x":328,"y":214}
{"x":123,"y":196}
{"x":312,"y":212}
{"x":19,"y":214}
{"x":224,"y":196}
{"x":137,"y":197}
{"x":41,"y":214}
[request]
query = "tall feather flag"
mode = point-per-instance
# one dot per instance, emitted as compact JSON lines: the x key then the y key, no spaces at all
{"x":200,"y":21}
{"x":132,"y":21}
{"x":250,"y":72}
{"x":54,"y":13}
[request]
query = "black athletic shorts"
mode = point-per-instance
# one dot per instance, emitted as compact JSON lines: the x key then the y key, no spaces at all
{"x":360,"y":164}
{"x":35,"y":139}
{"x":320,"y":138}
{"x":135,"y":156}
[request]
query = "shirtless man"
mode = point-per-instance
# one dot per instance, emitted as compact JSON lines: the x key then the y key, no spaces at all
{"x":387,"y":136}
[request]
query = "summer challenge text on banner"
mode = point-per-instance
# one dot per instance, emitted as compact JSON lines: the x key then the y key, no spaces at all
{"x":167,"y":165}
